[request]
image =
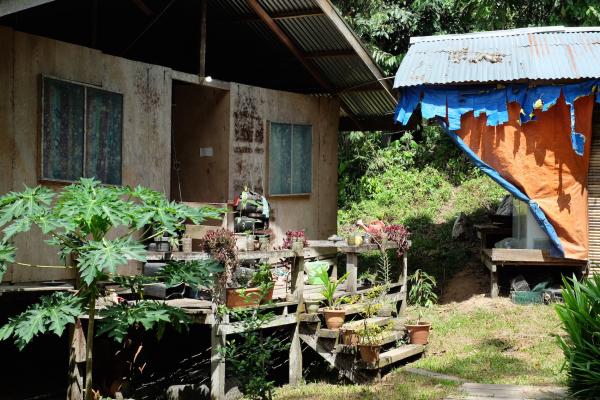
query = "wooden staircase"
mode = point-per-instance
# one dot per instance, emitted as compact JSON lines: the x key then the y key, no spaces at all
{"x":346,"y":359}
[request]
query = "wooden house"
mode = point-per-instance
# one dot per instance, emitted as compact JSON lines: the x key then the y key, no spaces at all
{"x":197,"y":99}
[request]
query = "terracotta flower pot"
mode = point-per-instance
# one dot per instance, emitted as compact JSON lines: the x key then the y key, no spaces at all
{"x":369,"y":353}
{"x":334,"y":319}
{"x":268,"y":297}
{"x":419,"y":333}
{"x":238,"y":298}
{"x":349,"y":337}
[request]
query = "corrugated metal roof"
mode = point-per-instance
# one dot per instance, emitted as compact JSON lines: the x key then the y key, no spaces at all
{"x":549,"y":53}
{"x":350,"y":75}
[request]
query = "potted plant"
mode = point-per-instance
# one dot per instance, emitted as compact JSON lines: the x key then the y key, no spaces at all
{"x":372,"y":304}
{"x":334,"y":314}
{"x":370,"y":338}
{"x":422,"y":295}
{"x":253,"y":289}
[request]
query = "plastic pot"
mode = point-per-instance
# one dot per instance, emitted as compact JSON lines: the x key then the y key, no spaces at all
{"x":239,"y":298}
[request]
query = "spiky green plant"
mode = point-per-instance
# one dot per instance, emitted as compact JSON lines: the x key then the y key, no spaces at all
{"x":86,"y":221}
{"x":580,"y":318}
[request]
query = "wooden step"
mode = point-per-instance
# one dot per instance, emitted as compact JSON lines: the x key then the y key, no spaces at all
{"x":353,"y":325}
{"x":394,"y":355}
{"x":388,"y":338}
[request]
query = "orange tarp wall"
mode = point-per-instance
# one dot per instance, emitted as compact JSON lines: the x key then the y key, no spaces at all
{"x":538,"y":158}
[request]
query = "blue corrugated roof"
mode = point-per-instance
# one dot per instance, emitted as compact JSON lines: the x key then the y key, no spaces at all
{"x":549,"y":53}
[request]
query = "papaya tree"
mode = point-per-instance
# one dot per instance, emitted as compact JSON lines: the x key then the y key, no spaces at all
{"x":97,"y":228}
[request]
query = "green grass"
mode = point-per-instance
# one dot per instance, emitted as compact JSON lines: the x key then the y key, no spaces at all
{"x":480,"y":340}
{"x":398,"y":385}
{"x":495,"y":342}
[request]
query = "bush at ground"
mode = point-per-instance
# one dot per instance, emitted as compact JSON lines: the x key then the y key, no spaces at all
{"x":580,"y":317}
{"x":423,"y":185}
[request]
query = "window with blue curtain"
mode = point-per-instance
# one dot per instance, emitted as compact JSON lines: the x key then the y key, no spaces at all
{"x":290,"y":159}
{"x":82,"y":129}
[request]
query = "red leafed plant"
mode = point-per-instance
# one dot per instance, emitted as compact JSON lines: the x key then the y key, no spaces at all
{"x":292,"y":236}
{"x":399,"y":235}
{"x":220,"y":244}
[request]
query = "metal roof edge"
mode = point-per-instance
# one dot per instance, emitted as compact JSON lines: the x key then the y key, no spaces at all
{"x":507,"y":32}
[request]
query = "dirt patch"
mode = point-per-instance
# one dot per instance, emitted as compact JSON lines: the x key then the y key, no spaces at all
{"x":472,"y":281}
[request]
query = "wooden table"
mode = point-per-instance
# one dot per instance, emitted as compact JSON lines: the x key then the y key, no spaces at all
{"x":493,"y":259}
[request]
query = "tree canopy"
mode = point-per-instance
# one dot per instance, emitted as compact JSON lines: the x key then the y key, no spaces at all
{"x":387,"y":25}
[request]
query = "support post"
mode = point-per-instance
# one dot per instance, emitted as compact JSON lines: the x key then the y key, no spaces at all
{"x":217,"y":363}
{"x":352,"y":269}
{"x":494,"y":289}
{"x":296,"y":357}
{"x":203,"y":11}
{"x":297,"y":282}
{"x":404,"y":281}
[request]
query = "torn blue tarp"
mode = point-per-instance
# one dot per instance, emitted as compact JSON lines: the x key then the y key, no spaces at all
{"x":452,"y":103}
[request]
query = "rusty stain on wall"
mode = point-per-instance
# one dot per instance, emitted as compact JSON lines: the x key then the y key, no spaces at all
{"x":248,"y":142}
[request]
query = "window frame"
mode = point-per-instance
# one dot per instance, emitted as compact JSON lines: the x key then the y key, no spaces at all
{"x":268,"y":157}
{"x":40,"y":146}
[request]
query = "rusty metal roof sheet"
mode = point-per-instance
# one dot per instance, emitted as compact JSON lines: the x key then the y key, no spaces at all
{"x":548,"y":53}
{"x":331,"y":47}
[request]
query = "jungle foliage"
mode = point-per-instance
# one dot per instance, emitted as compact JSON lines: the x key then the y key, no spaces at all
{"x":387,"y":25}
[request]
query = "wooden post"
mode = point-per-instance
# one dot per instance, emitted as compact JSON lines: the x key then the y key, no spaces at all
{"x":494,"y":289}
{"x":295,"y":352}
{"x":296,"y":357}
{"x":404,"y":281}
{"x":352,"y":268}
{"x":297,"y":282}
{"x":203,"y":11}
{"x":217,"y":363}
{"x":77,"y":346}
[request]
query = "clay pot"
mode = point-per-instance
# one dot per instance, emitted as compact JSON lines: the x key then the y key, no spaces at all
{"x":334,"y":319}
{"x":419,"y":333}
{"x":250,"y":297}
{"x":369,"y":353}
{"x":349,"y":337}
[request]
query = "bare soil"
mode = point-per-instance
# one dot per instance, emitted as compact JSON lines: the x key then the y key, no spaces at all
{"x":471,"y":282}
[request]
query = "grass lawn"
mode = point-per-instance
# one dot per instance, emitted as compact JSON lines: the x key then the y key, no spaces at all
{"x":398,"y":385}
{"x":481,"y":340}
{"x":495,"y":341}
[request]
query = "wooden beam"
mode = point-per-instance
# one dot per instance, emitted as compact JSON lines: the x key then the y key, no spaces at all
{"x":143,"y":7}
{"x":355,"y":43}
{"x":147,"y":28}
{"x":203,"y":12}
{"x":12,"y":6}
{"x":287,"y":42}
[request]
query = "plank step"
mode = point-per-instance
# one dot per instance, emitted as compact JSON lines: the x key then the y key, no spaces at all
{"x":358,"y":324}
{"x":388,"y":338}
{"x":394,"y":355}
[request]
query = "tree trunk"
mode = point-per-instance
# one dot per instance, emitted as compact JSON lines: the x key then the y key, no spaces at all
{"x":90,"y":347}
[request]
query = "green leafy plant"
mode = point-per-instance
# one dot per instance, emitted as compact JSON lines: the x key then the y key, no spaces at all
{"x":372,"y":335}
{"x":329,"y":288}
{"x":78,"y":221}
{"x":263,"y":277}
{"x":580,"y":318}
{"x":252,"y":354}
{"x":196,"y":274}
{"x":422,"y":289}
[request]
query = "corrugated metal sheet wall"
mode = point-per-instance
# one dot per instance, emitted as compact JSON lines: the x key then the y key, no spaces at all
{"x":594,"y":194}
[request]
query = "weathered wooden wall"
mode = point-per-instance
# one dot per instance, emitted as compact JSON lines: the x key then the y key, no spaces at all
{"x":146,"y":93}
{"x":252,"y":110}
{"x":200,"y":121}
{"x":594,"y":194}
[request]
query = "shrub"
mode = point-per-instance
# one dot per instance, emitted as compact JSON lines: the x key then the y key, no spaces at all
{"x":580,"y":318}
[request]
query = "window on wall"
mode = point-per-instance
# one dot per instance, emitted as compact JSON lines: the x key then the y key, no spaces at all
{"x":290,"y":159}
{"x":82,"y":131}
